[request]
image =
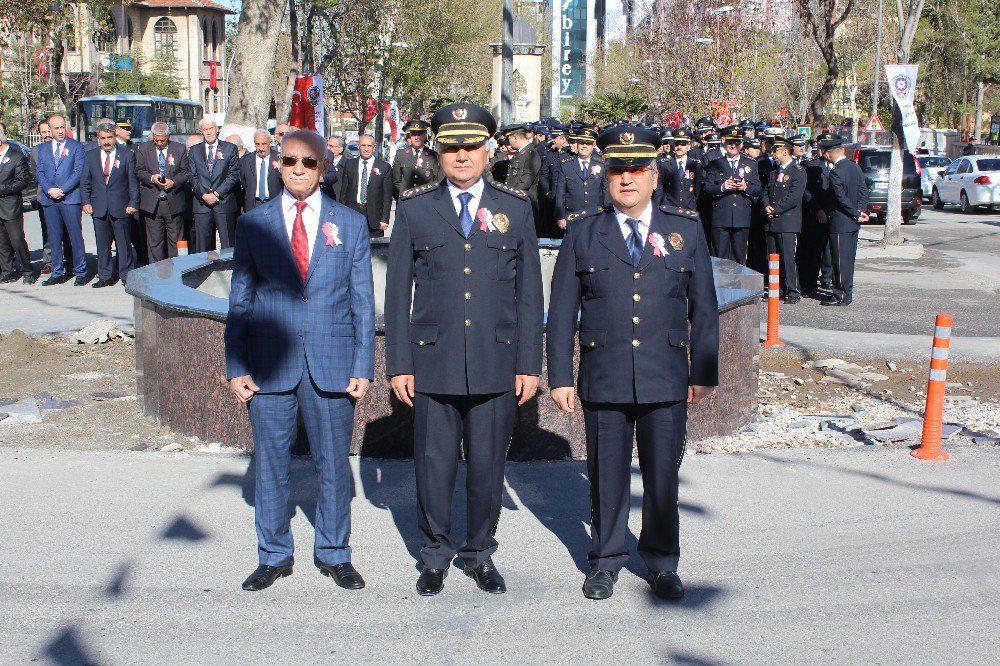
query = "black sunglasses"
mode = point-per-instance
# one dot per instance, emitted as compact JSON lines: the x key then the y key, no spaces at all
{"x":307,"y":162}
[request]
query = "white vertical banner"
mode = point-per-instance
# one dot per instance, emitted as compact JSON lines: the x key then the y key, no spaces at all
{"x":318,"y":104}
{"x":902,"y":83}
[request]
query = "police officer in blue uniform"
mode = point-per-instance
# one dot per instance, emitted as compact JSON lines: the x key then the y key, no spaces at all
{"x":579,"y":179}
{"x":465,"y":256}
{"x":814,"y":262}
{"x":783,"y":210}
{"x":680,"y":174}
{"x":640,"y":277}
{"x":848,"y":204}
{"x":731,"y":186}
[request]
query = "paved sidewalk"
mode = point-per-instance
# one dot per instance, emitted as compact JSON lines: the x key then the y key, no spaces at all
{"x":860,"y":555}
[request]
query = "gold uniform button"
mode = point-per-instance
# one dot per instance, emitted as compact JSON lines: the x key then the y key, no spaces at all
{"x":636,"y":297}
{"x":682,"y":343}
{"x":636,"y":276}
{"x":635,"y":320}
{"x":421,"y":343}
{"x":508,"y":342}
{"x":468,"y":247}
{"x":636,"y":343}
{"x":427,"y":247}
{"x":592,"y":269}
{"x":468,"y":322}
{"x":468,"y":295}
{"x":593,"y":344}
{"x":467,"y":270}
{"x":682,"y":269}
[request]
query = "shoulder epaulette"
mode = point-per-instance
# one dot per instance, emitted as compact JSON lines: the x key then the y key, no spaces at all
{"x":580,"y":214}
{"x":414,"y":191}
{"x":568,"y":158}
{"x":680,"y":212}
{"x":510,"y":190}
{"x":800,"y":167}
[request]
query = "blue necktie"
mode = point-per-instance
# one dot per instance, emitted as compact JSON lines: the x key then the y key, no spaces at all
{"x":162,"y":161}
{"x":59,"y":149}
{"x":464,"y":216}
{"x":262,"y":180}
{"x":634,"y":241}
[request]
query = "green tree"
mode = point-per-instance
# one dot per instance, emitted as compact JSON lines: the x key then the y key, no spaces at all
{"x":611,"y":106}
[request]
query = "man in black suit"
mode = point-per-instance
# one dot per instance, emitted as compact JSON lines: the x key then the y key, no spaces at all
{"x":214,"y":177}
{"x":470,"y":349}
{"x":680,"y":174}
{"x":783,"y":207}
{"x":640,"y":277}
{"x":814,"y":263}
{"x":110,"y":194}
{"x":847,"y":205}
{"x":731,"y":185}
{"x":161,"y":169}
{"x":333,"y":179}
{"x":367,"y":187}
{"x":260,"y":172}
{"x":15,"y":176}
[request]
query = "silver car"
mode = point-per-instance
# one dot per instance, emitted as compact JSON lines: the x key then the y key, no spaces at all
{"x":929,"y":167}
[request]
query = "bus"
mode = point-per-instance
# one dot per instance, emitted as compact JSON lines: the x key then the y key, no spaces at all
{"x":181,"y":115}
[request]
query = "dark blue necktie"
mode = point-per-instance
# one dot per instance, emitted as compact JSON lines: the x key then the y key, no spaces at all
{"x":162,"y":163}
{"x":634,"y":241}
{"x":464,"y":216}
{"x":262,"y":180}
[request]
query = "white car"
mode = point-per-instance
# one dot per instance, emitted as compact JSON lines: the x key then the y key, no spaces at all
{"x":929,"y":167}
{"x":969,"y":182}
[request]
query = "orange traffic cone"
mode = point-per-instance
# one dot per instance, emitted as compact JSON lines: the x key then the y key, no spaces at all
{"x":773,"y":301}
{"x":930,"y":443}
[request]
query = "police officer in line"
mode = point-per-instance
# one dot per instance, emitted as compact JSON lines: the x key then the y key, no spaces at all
{"x":559,"y":149}
{"x":713,"y":147}
{"x":757,"y":243}
{"x":680,"y":174}
{"x":579,"y":179}
{"x":464,"y":254}
{"x":418,"y":164}
{"x":846,"y":210}
{"x":640,"y":276}
{"x":525,"y":164}
{"x":813,"y":257}
{"x":798,"y":149}
{"x":731,"y":186}
{"x":783,"y":199}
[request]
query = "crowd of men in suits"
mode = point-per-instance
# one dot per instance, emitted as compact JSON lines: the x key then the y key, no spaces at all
{"x":756,"y":190}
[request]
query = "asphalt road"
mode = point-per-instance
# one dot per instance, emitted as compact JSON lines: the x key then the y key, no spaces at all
{"x":860,"y":555}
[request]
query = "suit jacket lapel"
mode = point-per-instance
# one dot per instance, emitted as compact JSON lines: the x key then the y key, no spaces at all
{"x":326,"y":214}
{"x":611,"y":238}
{"x":446,"y":209}
{"x":280,"y":234}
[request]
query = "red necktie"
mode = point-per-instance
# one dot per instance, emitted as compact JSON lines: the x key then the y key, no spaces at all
{"x":107,"y":167}
{"x":300,"y":243}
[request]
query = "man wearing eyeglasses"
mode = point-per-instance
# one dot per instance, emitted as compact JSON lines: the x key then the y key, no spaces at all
{"x":300,"y":338}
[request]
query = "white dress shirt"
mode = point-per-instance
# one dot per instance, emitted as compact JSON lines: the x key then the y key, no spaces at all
{"x":477,"y":193}
{"x":361,"y":169}
{"x":211,"y":149}
{"x":644,"y":219}
{"x":104,"y":156}
{"x":310,"y":216}
{"x":3,"y":153}
{"x":682,"y":164}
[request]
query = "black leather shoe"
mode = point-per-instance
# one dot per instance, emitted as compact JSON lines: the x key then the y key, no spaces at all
{"x":792,"y":299}
{"x":264,"y":576}
{"x":29,"y":278}
{"x":9,"y":277}
{"x":831,"y":300}
{"x":344,"y":575}
{"x":431,"y":582}
{"x":847,"y":300}
{"x":100,"y":284}
{"x":80,"y":281}
{"x":600,"y":584}
{"x":665,"y":584}
{"x":54,"y":280}
{"x":826,"y":285}
{"x":487,"y":577}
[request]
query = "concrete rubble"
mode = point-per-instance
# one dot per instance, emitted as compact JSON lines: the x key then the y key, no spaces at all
{"x":99,"y":332}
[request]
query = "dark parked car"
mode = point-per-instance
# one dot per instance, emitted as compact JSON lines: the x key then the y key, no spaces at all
{"x":30,"y":193}
{"x":874,"y":163}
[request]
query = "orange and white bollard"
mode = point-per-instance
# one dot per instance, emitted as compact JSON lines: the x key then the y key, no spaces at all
{"x":773,"y":301}
{"x":930,"y":443}
{"x":182,"y":248}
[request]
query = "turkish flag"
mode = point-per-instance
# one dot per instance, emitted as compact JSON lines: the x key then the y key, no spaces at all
{"x":371,"y":109}
{"x":307,"y":103}
{"x":213,"y":81}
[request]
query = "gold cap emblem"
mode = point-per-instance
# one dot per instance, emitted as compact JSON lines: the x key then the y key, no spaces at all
{"x":459,"y":114}
{"x":628,"y":138}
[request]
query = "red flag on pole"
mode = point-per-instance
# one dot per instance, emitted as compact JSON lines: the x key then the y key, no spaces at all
{"x":213,"y":81}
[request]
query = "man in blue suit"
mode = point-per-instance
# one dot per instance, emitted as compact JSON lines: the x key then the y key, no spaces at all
{"x":640,"y":278}
{"x":300,"y":338}
{"x":60,"y":169}
{"x":110,"y":194}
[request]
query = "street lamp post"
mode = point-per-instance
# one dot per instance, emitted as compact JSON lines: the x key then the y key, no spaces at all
{"x":507,"y":65}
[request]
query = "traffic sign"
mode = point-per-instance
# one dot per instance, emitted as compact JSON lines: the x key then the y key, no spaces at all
{"x":874,"y":125}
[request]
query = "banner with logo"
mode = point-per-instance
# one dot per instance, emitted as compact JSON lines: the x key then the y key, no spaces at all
{"x":307,"y":103}
{"x":902,"y":84}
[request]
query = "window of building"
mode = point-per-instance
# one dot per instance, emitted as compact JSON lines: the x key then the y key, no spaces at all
{"x":204,"y":37}
{"x":106,"y":35}
{"x":129,"y":33}
{"x":215,"y":41}
{"x":164,"y":37}
{"x":71,"y":44}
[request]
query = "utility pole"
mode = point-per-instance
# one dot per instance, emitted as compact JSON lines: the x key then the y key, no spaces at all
{"x":977,"y":127}
{"x":878,"y":67}
{"x":507,"y":67}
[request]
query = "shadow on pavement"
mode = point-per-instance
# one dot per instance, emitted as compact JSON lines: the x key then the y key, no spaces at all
{"x":68,"y":650}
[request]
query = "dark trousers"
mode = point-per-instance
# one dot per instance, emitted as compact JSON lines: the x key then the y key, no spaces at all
{"x":163,"y":230}
{"x":12,"y":244}
{"x":329,"y":423}
{"x":137,"y":236}
{"x":118,"y":230}
{"x":783,"y":244}
{"x":63,"y":221}
{"x":658,"y":430}
{"x":814,"y":263}
{"x":205,"y":226}
{"x":441,"y":425}
{"x":731,"y":243}
{"x":843,"y":250}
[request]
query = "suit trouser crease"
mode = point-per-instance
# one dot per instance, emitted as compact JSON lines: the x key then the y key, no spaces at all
{"x":658,"y":431}
{"x":163,"y":230}
{"x":13,"y":245}
{"x":109,"y":229}
{"x":843,"y":251}
{"x":484,"y":423}
{"x":329,"y":423}
{"x":731,"y":243}
{"x":65,"y":221}
{"x":783,"y":244}
{"x":206,"y":224}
